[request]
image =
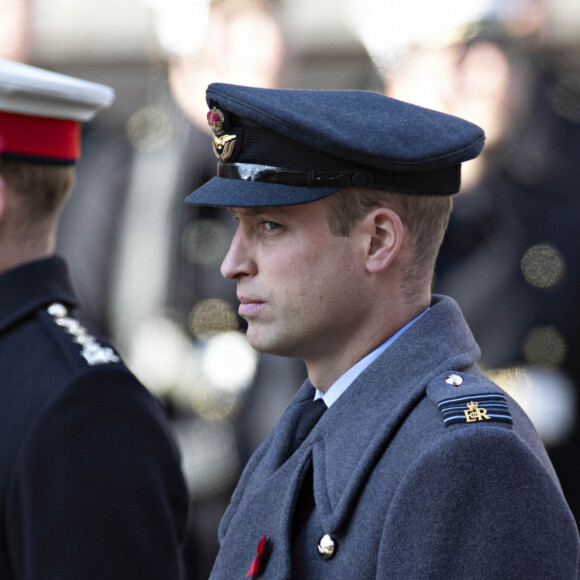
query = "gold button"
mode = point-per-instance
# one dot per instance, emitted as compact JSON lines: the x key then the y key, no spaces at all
{"x":454,"y":380}
{"x":57,"y":310}
{"x":326,"y":547}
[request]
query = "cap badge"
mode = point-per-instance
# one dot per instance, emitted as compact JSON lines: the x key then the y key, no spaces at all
{"x":223,"y":145}
{"x":216,"y":120}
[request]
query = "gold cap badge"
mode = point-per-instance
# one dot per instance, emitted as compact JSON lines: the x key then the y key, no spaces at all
{"x":223,"y":145}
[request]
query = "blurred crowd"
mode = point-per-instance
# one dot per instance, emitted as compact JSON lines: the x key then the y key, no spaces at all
{"x":147,"y":267}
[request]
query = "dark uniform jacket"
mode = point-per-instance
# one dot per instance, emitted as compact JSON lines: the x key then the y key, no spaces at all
{"x":422,"y":469}
{"x":90,"y":479}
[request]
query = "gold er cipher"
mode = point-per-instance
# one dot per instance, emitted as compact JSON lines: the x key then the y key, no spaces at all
{"x":474,"y":413}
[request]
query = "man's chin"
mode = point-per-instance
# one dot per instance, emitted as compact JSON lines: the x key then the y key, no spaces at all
{"x":261,"y":342}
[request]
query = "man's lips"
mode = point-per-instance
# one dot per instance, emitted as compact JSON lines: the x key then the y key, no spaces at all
{"x":249,"y":306}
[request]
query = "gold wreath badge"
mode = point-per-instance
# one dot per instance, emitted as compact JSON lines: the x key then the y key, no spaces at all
{"x":223,"y":146}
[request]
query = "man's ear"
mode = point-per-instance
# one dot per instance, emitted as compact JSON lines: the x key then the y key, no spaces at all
{"x":384,"y":230}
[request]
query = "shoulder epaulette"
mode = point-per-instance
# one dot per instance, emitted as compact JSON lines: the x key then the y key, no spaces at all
{"x":92,"y":351}
{"x":468,"y":399}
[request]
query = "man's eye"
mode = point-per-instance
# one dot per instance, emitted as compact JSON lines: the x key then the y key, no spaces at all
{"x":272,"y":226}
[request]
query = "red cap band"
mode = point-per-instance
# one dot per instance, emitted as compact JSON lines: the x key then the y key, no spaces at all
{"x":42,"y":138}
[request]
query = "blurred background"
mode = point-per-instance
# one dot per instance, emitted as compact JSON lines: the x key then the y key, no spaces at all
{"x":147,"y":267}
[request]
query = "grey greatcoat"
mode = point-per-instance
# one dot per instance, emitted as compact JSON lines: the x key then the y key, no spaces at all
{"x":413,"y":474}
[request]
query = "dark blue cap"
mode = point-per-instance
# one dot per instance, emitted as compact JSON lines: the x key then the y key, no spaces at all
{"x":285,"y":147}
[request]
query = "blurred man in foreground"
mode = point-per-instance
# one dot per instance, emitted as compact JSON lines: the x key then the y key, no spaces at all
{"x":397,"y":458}
{"x":90,"y":479}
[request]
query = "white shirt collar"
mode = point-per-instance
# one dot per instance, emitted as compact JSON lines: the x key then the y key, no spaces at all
{"x":343,"y":382}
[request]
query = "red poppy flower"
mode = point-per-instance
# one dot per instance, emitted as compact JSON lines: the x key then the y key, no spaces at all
{"x":255,"y":565}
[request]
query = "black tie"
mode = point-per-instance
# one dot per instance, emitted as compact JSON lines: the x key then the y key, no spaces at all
{"x":309,"y":418}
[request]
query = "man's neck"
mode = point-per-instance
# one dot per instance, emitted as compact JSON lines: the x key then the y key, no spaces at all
{"x":14,"y":255}
{"x":324,"y":371}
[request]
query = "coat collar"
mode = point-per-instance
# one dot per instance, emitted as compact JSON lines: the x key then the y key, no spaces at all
{"x":351,"y":435}
{"x":31,"y":286}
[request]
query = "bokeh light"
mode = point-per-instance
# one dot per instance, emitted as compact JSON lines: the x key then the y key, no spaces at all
{"x":387,"y":29}
{"x":206,"y":377}
{"x":150,"y":128}
{"x":206,"y":242}
{"x":543,"y":266}
{"x":157,"y":350}
{"x":545,"y":346}
{"x":213,"y":404}
{"x":229,"y":362}
{"x":180,"y":24}
{"x":546,"y":395}
{"x":212,"y":316}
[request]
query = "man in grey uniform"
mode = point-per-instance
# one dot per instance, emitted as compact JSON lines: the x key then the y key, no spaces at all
{"x":418,"y":466}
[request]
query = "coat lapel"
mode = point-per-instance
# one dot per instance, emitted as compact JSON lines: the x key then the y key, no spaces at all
{"x":271,"y":454}
{"x":264,"y":500}
{"x":355,"y":431}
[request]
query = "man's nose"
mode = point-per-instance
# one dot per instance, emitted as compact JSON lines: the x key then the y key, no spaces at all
{"x":238,"y":261}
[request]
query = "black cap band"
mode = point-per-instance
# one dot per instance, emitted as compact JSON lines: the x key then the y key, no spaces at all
{"x":443,"y":181}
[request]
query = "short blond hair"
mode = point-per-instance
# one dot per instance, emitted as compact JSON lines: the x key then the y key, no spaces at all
{"x":36,"y":192}
{"x":424,"y":217}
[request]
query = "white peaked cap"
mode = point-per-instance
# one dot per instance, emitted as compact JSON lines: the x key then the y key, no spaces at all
{"x":29,"y":90}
